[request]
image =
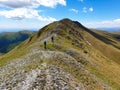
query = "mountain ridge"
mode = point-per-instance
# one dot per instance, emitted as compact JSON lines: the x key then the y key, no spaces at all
{"x":77,"y":60}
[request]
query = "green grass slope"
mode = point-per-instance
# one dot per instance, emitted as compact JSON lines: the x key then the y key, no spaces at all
{"x":9,"y":40}
{"x":79,"y":59}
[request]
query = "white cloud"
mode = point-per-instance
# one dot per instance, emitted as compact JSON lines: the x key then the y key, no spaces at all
{"x":74,"y":10}
{"x":22,"y":13}
{"x":51,"y":3}
{"x":91,"y":9}
{"x":16,"y":3}
{"x":21,"y":9}
{"x":104,"y":24}
{"x":117,"y":20}
{"x":49,"y":19}
{"x":84,"y":9}
{"x":31,"y":3}
{"x":81,"y":0}
{"x":26,"y":13}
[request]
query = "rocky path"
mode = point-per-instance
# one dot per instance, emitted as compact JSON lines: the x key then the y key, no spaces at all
{"x":14,"y":76}
{"x":34,"y":72}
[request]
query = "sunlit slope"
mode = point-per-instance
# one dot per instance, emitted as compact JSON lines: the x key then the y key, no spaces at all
{"x":79,"y":59}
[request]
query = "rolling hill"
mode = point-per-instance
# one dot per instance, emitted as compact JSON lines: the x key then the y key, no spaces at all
{"x":8,"y":40}
{"x":78,"y":59}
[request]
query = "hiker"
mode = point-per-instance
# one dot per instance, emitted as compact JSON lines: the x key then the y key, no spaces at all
{"x":52,"y":39}
{"x":45,"y":44}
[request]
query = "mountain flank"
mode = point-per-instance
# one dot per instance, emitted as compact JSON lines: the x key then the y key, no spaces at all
{"x":78,"y":59}
{"x":8,"y":40}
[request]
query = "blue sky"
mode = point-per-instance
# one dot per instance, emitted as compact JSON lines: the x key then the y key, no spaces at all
{"x":34,"y":14}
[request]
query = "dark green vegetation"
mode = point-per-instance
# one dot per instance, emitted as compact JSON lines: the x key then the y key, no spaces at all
{"x":87,"y":57}
{"x":9,"y":40}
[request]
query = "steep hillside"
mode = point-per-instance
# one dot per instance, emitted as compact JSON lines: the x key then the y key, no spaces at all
{"x":76,"y":59}
{"x":114,"y":37}
{"x":9,"y":40}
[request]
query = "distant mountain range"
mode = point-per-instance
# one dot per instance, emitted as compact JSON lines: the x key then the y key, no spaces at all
{"x":109,"y":29}
{"x":8,"y":40}
{"x":75,"y":58}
